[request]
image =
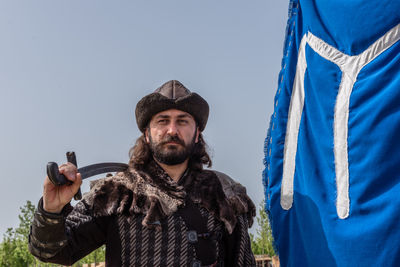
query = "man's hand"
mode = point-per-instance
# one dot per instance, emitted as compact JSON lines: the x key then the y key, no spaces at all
{"x":56,"y":197}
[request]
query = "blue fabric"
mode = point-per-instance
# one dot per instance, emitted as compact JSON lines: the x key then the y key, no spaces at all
{"x":311,"y":233}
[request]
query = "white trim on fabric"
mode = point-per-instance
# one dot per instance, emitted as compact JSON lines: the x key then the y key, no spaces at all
{"x":350,"y":67}
{"x":292,"y":130}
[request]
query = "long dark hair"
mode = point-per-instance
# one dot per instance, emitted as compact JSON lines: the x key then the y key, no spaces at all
{"x":140,"y":154}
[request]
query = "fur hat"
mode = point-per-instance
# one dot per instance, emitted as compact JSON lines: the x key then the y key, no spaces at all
{"x":171,"y":95}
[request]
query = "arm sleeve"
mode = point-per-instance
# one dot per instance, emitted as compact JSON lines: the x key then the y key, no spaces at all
{"x":66,"y":237}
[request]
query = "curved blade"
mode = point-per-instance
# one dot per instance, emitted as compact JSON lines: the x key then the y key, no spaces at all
{"x":100,"y":168}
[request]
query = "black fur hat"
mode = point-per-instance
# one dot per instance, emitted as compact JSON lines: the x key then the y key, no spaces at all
{"x":171,"y":95}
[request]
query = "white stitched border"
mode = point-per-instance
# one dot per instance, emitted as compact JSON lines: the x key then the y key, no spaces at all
{"x":350,"y":67}
{"x":292,"y":129}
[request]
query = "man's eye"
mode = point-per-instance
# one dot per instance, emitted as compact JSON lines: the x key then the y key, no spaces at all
{"x":162,"y":121}
{"x":182,"y":121}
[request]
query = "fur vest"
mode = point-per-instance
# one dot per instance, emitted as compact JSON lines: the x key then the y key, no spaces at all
{"x":154,"y":194}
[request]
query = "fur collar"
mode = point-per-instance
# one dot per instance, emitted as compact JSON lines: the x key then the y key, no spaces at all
{"x":153,"y":193}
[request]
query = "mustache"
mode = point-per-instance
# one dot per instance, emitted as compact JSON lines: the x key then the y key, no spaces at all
{"x":172,"y":138}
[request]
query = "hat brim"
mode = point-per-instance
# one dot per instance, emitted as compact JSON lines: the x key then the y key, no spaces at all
{"x":154,"y":103}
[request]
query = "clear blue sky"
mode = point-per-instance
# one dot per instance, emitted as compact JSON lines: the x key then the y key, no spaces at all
{"x":71,"y":73}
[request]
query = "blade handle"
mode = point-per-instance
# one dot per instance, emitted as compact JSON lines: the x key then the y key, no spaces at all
{"x":54,"y":175}
{"x":71,"y":157}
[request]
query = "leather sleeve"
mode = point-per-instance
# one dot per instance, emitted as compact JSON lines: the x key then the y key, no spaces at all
{"x":47,"y":234}
{"x":66,"y":237}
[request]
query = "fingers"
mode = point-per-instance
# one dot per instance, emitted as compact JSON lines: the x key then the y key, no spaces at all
{"x":77,"y":183}
{"x":69,"y":170}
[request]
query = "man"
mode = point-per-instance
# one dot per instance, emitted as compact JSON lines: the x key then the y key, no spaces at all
{"x":165,"y":210}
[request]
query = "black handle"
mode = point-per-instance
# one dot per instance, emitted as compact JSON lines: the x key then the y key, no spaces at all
{"x":72,"y":159}
{"x":54,"y":175}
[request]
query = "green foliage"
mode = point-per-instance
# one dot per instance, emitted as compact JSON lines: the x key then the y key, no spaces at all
{"x":14,"y":247}
{"x":98,"y":255}
{"x":262,"y":243}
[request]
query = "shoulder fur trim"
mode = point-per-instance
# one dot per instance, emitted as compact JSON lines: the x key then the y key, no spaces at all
{"x":237,"y":196}
{"x":130,"y":192}
{"x":220,"y":195}
{"x":136,"y":192}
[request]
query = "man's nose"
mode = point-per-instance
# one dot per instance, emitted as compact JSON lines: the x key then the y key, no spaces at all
{"x":172,"y":128}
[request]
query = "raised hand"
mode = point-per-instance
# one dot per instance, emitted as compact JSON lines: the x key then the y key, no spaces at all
{"x":56,"y":197}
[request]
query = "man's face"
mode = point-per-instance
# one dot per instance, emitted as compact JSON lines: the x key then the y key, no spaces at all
{"x":172,"y":135}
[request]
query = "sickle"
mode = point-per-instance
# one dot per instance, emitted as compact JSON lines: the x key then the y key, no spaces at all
{"x":59,"y":179}
{"x":86,"y":172}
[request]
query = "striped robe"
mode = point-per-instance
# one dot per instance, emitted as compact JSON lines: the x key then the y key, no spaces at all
{"x":132,"y":241}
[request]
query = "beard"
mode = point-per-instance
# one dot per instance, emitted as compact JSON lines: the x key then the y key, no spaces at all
{"x":171,"y":154}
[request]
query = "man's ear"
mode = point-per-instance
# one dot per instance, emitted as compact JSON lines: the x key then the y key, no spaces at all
{"x":197,"y":135}
{"x":146,"y":135}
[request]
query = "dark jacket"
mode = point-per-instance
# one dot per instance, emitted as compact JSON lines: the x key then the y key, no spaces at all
{"x":146,"y":219}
